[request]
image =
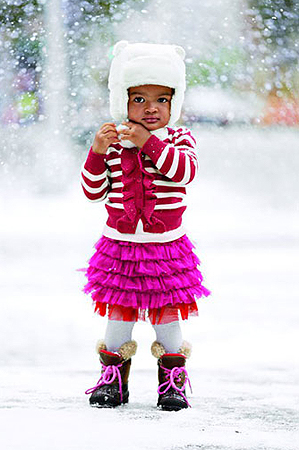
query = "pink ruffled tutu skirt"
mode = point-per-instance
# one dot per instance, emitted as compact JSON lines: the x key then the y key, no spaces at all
{"x":132,"y":281}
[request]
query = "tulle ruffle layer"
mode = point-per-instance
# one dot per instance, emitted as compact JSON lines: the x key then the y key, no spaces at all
{"x":140,"y":277}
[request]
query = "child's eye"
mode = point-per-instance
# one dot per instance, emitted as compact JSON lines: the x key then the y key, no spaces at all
{"x":162,"y":100}
{"x":139,"y":100}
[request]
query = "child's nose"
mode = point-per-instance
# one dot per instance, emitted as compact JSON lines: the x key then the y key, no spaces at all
{"x":151,"y":108}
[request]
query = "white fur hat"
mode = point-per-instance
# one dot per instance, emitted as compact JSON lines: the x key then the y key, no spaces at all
{"x":139,"y":64}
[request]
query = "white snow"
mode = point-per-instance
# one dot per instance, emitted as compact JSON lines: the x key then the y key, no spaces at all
{"x":244,"y":368}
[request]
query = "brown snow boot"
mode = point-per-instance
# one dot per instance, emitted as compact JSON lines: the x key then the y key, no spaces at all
{"x":172,"y":376}
{"x":112,"y":387}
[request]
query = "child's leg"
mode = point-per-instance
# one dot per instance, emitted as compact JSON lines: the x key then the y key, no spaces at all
{"x":171,"y":352}
{"x":118,"y":332}
{"x":115,"y":354}
{"x":169,"y":335}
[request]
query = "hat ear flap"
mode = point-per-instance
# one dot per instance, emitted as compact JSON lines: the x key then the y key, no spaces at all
{"x":119,"y":46}
{"x":180,"y":51}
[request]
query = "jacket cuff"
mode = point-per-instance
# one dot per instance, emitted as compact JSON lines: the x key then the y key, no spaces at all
{"x":153,"y":148}
{"x":95,"y":162}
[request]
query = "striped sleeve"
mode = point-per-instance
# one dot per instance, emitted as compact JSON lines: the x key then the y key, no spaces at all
{"x":94,"y":177}
{"x":178,"y":160}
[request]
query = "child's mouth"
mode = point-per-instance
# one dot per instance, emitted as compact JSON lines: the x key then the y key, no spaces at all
{"x":151,"y":119}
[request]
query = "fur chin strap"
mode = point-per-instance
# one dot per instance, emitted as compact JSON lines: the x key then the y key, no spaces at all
{"x":158,"y":350}
{"x":126,"y":351}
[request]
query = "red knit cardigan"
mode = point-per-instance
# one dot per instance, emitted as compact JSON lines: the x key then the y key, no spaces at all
{"x":146,"y":183}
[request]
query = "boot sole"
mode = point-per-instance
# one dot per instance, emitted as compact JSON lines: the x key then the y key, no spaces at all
{"x":172,"y":408}
{"x":171,"y":405}
{"x":106,"y":402}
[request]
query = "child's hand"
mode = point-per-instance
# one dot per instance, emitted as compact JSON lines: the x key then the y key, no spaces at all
{"x":106,"y":136}
{"x":136,"y":133}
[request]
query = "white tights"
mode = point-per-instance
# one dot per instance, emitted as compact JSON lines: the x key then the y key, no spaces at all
{"x":168,"y":334}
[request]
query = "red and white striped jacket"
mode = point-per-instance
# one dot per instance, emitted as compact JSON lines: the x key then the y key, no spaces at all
{"x":146,"y":184}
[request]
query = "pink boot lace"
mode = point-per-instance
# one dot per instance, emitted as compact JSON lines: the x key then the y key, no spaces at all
{"x":173,"y":376}
{"x":107,"y":377}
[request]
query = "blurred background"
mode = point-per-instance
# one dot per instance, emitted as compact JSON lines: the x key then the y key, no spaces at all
{"x":242,"y":103}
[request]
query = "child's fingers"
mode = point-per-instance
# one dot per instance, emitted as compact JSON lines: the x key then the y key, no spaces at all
{"x":102,"y":132}
{"x":107,"y":128}
{"x":110,"y":133}
{"x":128,"y":129}
{"x":124,"y":133}
{"x":124,"y":127}
{"x":103,"y":136}
{"x":112,"y":138}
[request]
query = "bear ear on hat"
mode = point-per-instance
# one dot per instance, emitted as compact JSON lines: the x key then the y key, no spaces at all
{"x":119,"y":46}
{"x":180,"y":51}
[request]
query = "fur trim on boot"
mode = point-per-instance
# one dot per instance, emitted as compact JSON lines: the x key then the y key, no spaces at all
{"x":158,"y":350}
{"x":126,"y":350}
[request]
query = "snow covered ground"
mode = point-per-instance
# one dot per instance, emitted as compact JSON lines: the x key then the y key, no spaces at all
{"x":244,"y":370}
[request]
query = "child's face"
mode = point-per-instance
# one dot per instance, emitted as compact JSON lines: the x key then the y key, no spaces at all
{"x":149,"y":105}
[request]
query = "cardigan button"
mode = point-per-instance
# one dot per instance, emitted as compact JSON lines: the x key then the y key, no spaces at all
{"x":146,"y":226}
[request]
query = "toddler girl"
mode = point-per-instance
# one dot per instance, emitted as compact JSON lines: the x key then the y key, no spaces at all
{"x":144,"y":266}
